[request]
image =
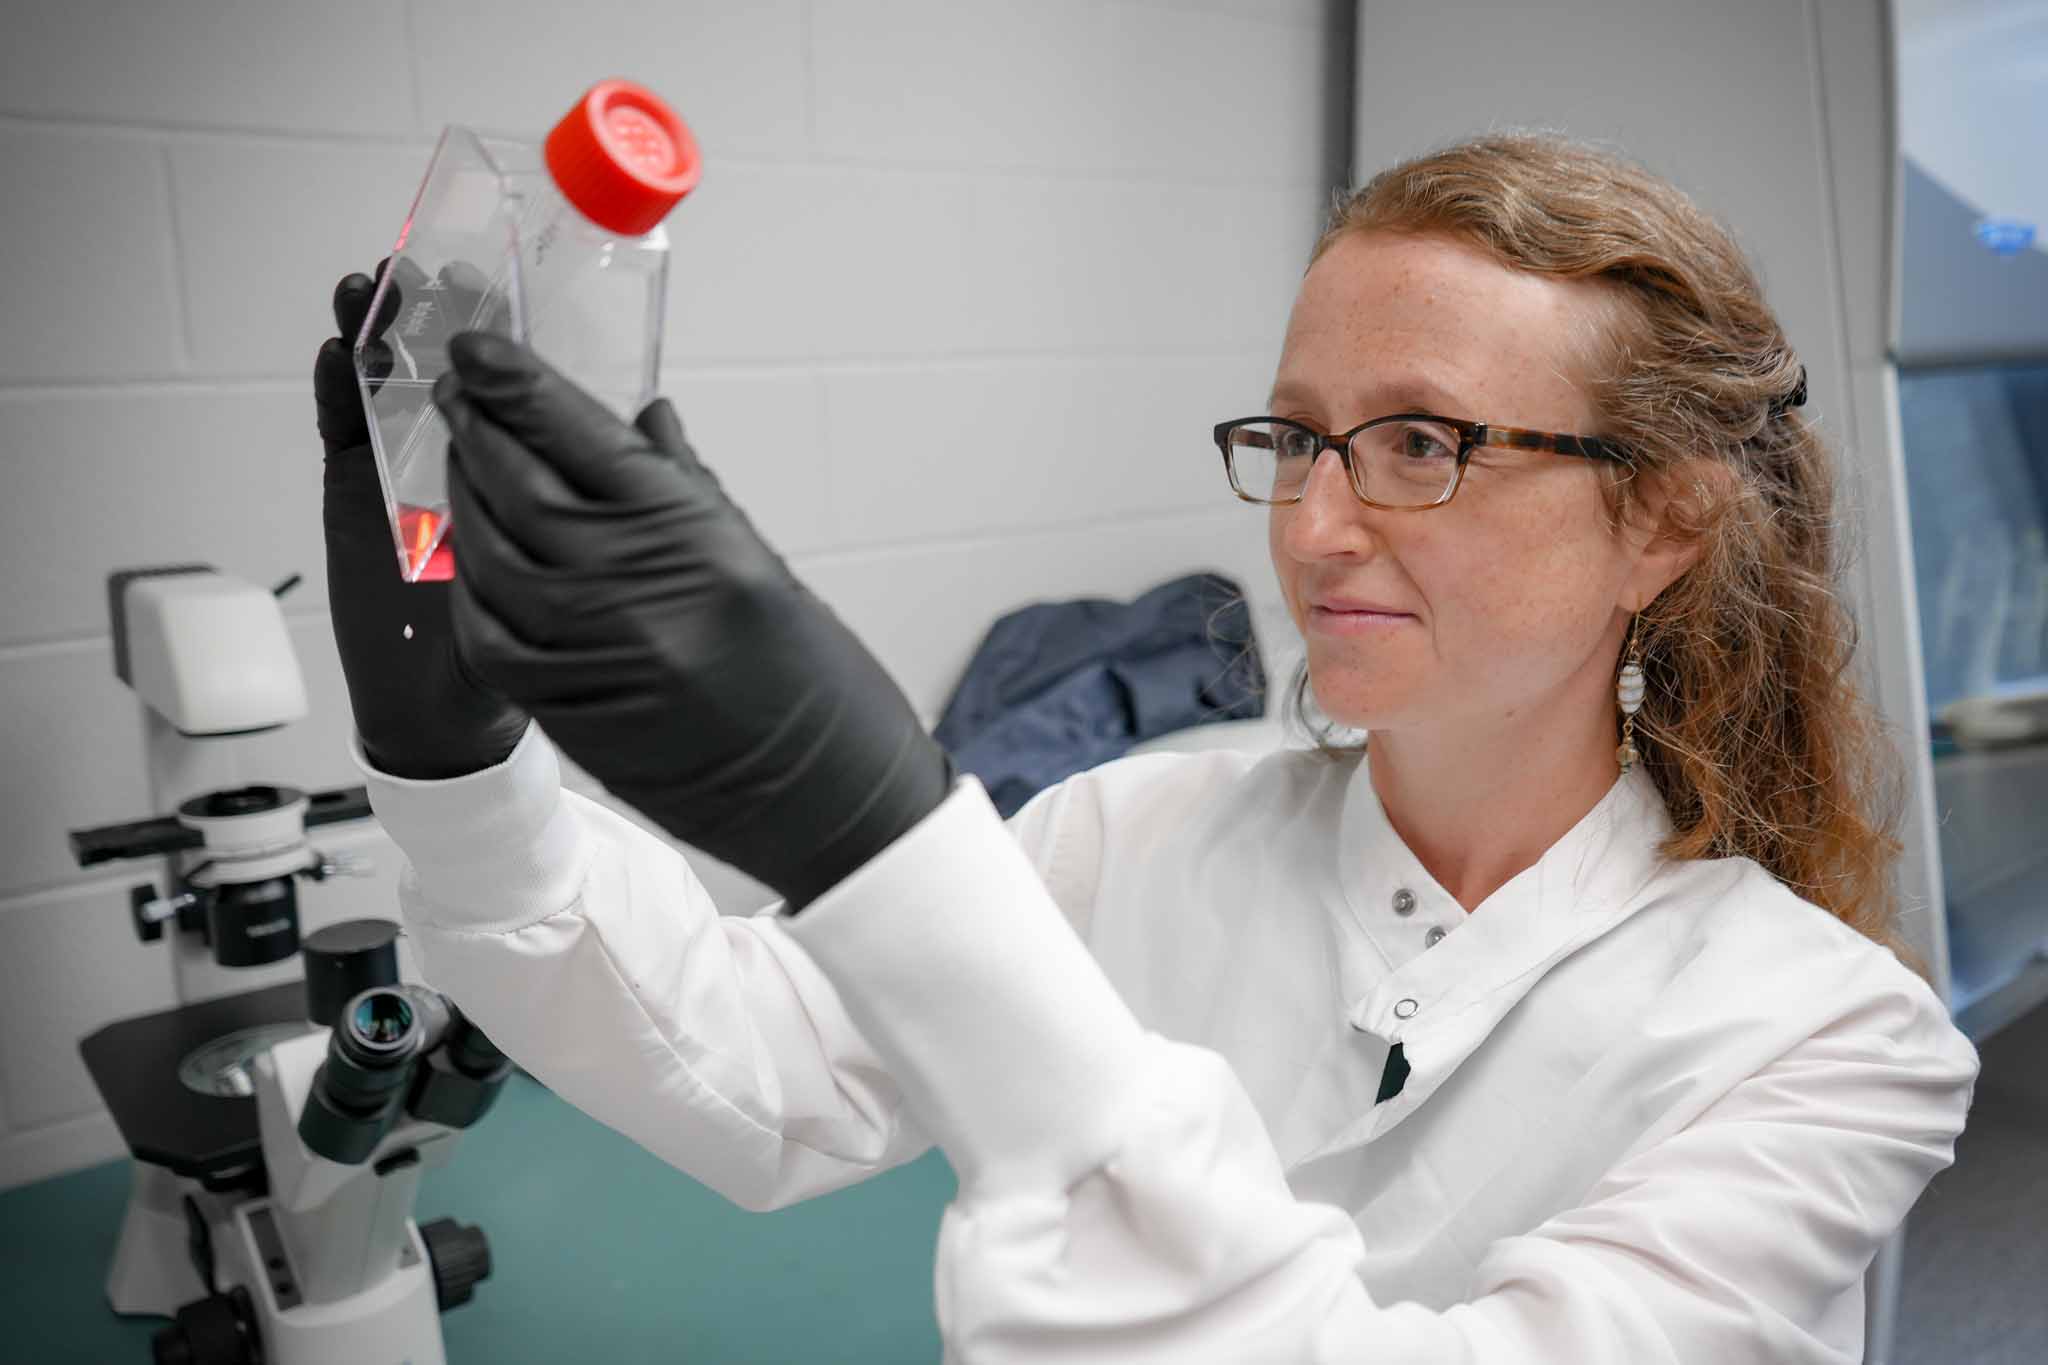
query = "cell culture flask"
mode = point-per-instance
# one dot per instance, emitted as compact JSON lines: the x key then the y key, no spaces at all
{"x":557,"y":244}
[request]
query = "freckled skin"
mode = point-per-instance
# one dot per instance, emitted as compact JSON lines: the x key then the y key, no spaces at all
{"x":1521,"y":591}
{"x":1517,"y":581}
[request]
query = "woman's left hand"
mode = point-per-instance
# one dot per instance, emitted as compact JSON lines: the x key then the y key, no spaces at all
{"x":608,"y":585}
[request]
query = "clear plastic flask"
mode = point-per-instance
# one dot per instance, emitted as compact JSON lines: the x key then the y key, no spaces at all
{"x":557,"y":244}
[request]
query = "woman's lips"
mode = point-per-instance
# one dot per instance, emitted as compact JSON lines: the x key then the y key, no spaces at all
{"x":1338,"y":621}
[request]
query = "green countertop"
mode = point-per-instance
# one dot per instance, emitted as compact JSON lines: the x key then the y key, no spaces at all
{"x":600,"y":1253}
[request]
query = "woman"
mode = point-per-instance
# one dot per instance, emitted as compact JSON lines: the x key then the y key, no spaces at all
{"x":1562,"y":1025}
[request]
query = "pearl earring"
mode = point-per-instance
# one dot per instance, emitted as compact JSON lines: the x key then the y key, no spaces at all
{"x":1628,"y":694}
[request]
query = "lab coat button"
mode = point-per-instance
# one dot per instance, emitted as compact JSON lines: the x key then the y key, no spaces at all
{"x":1404,"y":902}
{"x":1405,"y":1009}
{"x":1433,"y":937}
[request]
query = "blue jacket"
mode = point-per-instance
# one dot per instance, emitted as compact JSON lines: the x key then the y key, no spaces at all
{"x":1062,"y":686}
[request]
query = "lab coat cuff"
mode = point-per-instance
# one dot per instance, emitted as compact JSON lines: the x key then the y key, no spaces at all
{"x":494,"y":849}
{"x":956,"y":964}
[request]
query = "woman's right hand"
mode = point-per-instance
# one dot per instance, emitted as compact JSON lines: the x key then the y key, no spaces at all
{"x":419,"y":710}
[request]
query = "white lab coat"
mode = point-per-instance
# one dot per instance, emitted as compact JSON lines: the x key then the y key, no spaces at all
{"x":1655,"y":1111}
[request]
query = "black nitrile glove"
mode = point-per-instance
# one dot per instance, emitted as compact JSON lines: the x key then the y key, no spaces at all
{"x":419,"y":711}
{"x":608,"y":585}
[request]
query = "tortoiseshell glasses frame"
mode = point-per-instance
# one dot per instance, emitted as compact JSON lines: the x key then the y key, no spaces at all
{"x":1258,"y":434}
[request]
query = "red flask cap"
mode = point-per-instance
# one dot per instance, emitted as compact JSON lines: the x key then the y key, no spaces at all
{"x":622,"y":157}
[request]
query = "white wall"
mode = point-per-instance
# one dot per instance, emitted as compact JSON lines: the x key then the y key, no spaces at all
{"x":963,"y":288}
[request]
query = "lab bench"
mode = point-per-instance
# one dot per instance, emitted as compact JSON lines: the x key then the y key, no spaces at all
{"x":600,"y":1253}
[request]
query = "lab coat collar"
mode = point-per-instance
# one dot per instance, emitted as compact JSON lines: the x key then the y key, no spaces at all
{"x":1440,"y":995}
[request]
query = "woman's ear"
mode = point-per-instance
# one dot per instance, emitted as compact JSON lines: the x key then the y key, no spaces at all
{"x":1673,"y":513}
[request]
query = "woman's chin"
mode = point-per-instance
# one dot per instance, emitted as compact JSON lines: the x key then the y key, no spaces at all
{"x":1352,"y":711}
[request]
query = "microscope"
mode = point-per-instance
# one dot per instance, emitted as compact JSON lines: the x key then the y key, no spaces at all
{"x":279,"y":1134}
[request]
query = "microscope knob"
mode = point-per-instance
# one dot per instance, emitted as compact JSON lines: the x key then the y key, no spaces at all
{"x":149,"y":926}
{"x":461,"y":1257}
{"x":149,"y":910}
{"x":325,"y":865}
{"x":219,"y":1329}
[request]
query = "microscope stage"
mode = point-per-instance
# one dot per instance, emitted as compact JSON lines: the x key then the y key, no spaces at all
{"x":146,"y":1069}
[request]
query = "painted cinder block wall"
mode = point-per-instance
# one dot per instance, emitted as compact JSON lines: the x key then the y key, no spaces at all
{"x":962,"y":291}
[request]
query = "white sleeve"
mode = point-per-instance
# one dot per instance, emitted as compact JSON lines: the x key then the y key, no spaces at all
{"x":587,"y":950}
{"x":1120,"y":1199}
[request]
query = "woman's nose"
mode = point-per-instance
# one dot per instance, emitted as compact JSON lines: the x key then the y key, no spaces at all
{"x":1329,"y":519}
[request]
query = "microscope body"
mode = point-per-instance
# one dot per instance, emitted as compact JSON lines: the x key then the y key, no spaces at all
{"x":276,"y":1161}
{"x":326,"y":1266}
{"x":335,"y":1267}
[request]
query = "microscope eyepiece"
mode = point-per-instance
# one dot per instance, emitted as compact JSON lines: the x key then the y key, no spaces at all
{"x":398,"y":1050}
{"x":471,"y":1051}
{"x":359,"y":1092}
{"x":459,"y":1080}
{"x":378,"y":1023}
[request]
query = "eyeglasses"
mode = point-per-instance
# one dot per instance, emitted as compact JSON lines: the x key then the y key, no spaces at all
{"x":1406,"y":461}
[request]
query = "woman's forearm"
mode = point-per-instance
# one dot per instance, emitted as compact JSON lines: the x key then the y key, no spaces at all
{"x":590,"y":952}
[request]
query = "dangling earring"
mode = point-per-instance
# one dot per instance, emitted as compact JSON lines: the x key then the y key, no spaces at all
{"x":1628,"y":693}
